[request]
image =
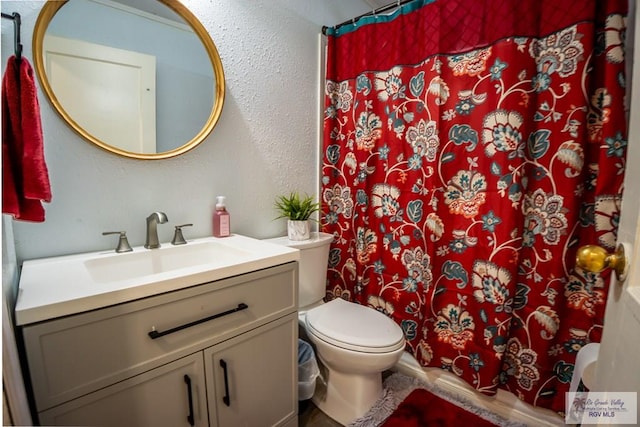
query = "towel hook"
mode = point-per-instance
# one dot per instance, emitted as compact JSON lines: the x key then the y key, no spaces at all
{"x":17,"y":45}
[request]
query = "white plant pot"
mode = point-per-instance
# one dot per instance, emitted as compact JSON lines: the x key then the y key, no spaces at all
{"x":298,"y":230}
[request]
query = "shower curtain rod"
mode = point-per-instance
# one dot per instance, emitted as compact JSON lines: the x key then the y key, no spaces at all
{"x":17,"y":46}
{"x":385,"y":8}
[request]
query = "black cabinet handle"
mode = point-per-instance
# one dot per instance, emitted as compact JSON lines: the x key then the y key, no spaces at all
{"x":187,"y":380}
{"x":157,"y":334}
{"x":225,"y":398}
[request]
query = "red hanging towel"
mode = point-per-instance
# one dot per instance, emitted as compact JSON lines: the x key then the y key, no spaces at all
{"x":25,"y":178}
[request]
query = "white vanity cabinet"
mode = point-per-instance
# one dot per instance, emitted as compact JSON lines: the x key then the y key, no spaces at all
{"x":219,"y":354}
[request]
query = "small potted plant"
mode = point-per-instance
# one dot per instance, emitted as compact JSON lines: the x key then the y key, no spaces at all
{"x":297,"y":210}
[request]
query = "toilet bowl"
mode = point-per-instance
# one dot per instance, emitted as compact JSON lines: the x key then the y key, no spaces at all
{"x":353,"y":343}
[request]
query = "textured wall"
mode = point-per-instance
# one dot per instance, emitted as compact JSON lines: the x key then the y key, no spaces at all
{"x":265,"y":143}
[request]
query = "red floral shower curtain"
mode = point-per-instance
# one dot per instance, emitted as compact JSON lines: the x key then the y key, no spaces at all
{"x":470,"y":147}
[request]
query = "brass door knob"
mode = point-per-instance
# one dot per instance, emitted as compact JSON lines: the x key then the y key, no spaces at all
{"x":595,"y":259}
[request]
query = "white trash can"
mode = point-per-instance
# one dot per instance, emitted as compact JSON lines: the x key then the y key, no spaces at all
{"x":307,"y":370}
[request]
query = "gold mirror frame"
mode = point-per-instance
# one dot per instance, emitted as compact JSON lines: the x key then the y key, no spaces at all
{"x":44,"y":18}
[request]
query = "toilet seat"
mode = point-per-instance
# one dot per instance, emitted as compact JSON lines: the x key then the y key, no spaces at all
{"x":354,"y":327}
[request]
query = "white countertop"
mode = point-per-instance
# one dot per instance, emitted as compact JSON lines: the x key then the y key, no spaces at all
{"x":61,"y":286}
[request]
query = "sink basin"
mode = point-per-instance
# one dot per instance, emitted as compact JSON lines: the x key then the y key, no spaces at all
{"x":130,"y":265}
{"x":71,"y":284}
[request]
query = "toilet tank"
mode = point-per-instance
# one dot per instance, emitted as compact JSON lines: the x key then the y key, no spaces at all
{"x":314,"y":258}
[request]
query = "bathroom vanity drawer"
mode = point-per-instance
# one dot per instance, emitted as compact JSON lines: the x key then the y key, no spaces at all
{"x":75,"y":355}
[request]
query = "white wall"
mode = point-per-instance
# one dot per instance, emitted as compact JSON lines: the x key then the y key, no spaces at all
{"x":265,"y":143}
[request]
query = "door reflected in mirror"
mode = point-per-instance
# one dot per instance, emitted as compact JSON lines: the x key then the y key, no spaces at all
{"x":144,"y":81}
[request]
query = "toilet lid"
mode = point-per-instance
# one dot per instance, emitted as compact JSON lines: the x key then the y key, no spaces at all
{"x":354,"y":327}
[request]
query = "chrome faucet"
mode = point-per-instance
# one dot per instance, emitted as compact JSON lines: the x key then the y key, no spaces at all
{"x":152,"y":229}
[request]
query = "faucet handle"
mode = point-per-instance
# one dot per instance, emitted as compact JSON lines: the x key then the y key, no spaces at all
{"x":123,"y":243}
{"x":178,"y":238}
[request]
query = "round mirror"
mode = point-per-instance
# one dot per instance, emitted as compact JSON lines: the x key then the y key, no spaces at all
{"x":139,"y":78}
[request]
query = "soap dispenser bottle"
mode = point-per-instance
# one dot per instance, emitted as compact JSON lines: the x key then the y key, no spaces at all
{"x":221,"y":219}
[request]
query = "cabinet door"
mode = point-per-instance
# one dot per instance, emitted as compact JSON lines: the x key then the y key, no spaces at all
{"x":255,"y":376}
{"x":160,"y":397}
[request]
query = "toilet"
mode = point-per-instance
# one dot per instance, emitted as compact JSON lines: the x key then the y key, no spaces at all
{"x":354,"y":343}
